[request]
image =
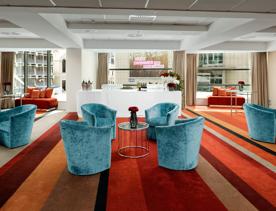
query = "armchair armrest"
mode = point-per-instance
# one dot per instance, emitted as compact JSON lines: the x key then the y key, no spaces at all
{"x":89,"y":117}
{"x":5,"y":115}
{"x":172,"y":116}
{"x":112,"y":113}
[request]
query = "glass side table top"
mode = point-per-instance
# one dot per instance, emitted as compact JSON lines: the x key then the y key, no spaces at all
{"x":126,"y":126}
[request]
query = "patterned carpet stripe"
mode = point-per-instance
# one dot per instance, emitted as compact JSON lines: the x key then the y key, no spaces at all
{"x":242,"y":172}
{"x":243,"y":144}
{"x":20,"y":167}
{"x":270,"y":148}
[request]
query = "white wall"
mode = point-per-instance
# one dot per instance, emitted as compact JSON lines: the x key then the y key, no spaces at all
{"x":89,"y":66}
{"x":272,"y":78}
{"x":73,"y":77}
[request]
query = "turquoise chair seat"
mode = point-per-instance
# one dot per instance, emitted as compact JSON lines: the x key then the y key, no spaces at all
{"x":16,"y":125}
{"x":178,"y":145}
{"x":99,"y":115}
{"x":105,"y":122}
{"x":159,"y":115}
{"x":87,"y":148}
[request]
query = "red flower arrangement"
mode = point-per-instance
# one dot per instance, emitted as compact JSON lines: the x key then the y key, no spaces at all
{"x":133,"y":109}
{"x":164,"y":74}
{"x":241,"y":82}
{"x":171,"y":85}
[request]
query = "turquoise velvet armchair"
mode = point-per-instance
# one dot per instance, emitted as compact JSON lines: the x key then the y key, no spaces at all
{"x":99,"y":115}
{"x":87,"y":148}
{"x":178,"y":145}
{"x":261,"y":122}
{"x":16,"y":125}
{"x":160,"y":115}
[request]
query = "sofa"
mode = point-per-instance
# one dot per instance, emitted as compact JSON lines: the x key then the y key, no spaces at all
{"x":87,"y":148}
{"x":42,"y":98}
{"x":162,"y":114}
{"x":16,"y":125}
{"x":178,"y":145}
{"x":261,"y":122}
{"x":221,"y":97}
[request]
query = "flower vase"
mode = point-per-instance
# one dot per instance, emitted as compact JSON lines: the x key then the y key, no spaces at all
{"x":241,"y":87}
{"x":133,"y":120}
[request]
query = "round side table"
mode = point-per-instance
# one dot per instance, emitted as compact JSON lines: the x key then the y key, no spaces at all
{"x":133,"y":142}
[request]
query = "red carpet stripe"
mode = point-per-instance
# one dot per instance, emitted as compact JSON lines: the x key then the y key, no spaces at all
{"x":13,"y":174}
{"x":236,"y":180}
{"x":166,"y":189}
{"x":140,"y":184}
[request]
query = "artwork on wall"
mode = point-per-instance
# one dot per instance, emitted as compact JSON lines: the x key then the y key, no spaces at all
{"x":148,"y":64}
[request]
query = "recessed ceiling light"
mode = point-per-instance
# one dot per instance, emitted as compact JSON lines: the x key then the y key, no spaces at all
{"x":134,"y":35}
{"x":142,"y":18}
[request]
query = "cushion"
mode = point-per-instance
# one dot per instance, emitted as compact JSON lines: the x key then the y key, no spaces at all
{"x":49,"y":92}
{"x":42,"y":93}
{"x":35,"y":94}
{"x":104,"y":122}
{"x":215,"y":91}
{"x":221,"y":92}
{"x":231,"y":93}
{"x":29,"y":92}
{"x":157,"y":121}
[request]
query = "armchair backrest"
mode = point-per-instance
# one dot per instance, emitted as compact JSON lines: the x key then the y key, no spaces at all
{"x":165,"y":108}
{"x":99,"y":110}
{"x":86,"y":147}
{"x":22,"y":124}
{"x":261,"y":122}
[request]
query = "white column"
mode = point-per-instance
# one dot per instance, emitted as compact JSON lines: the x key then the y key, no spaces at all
{"x":89,"y":66}
{"x":73,"y":77}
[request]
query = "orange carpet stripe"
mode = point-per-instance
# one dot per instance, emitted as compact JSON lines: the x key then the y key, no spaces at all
{"x":35,"y":190}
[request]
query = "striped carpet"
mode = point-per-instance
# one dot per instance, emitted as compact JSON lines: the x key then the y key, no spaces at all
{"x":235,"y":123}
{"x":226,"y":179}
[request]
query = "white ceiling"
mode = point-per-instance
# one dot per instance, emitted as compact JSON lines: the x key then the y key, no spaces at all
{"x":193,"y":24}
{"x":196,"y":5}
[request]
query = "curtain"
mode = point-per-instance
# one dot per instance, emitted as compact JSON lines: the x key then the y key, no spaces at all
{"x":191,"y":84}
{"x":102,"y":76}
{"x":259,"y":79}
{"x":7,"y":64}
{"x":179,"y":68}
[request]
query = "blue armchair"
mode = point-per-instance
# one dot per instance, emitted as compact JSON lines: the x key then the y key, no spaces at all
{"x":160,"y":115}
{"x":261,"y":122}
{"x":88,"y":149}
{"x":178,"y":145}
{"x":99,"y":115}
{"x":16,"y":126}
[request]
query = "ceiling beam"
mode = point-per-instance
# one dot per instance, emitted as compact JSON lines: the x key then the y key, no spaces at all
{"x":133,"y":44}
{"x":41,"y":27}
{"x":59,"y":23}
{"x":221,"y":31}
{"x":238,"y":46}
{"x":135,"y":26}
{"x":28,"y":43}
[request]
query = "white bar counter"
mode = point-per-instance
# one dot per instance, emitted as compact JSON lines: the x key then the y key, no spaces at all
{"x":121,"y":100}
